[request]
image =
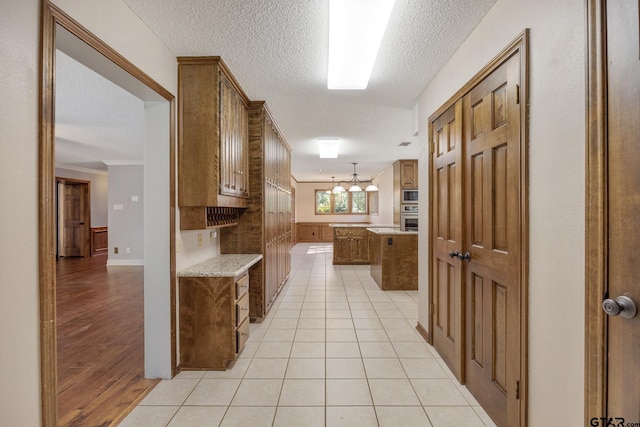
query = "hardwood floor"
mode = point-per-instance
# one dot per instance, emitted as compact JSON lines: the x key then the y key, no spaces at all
{"x":100,"y":328}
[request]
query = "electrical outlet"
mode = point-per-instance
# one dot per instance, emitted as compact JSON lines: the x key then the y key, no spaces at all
{"x":212,"y":235}
{"x":199,"y":240}
{"x":179,"y":245}
{"x":115,"y":250}
{"x":127,"y":250}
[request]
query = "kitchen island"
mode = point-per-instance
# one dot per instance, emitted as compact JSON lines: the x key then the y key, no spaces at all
{"x":351,"y":243}
{"x":393,"y":258}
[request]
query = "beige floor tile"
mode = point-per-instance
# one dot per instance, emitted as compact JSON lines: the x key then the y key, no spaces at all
{"x":170,"y":392}
{"x":308,"y":350}
{"x":252,"y":416}
{"x":377,"y":349}
{"x":345,"y":368}
{"x":405,"y":416}
{"x":348,"y":392}
{"x":237,"y":370}
{"x":359,"y":305}
{"x":464,"y":391}
{"x":453,"y":416}
{"x":299,"y":416}
{"x":350,"y":416}
{"x":393,"y":392}
{"x":338,"y":314}
{"x":250,"y":349}
{"x":372,"y":335}
{"x":283,"y":324}
{"x":409,"y":350}
{"x":213,"y":392}
{"x":311,"y":323}
{"x":305,"y":368}
{"x":149,"y":416}
{"x":286,"y":314}
{"x":364,"y":314}
{"x":257,"y":393}
{"x":343,"y":350}
{"x":389,"y":314}
{"x":185,"y":375}
{"x":404,"y":335}
{"x":277,"y":349}
{"x":299,"y":392}
{"x":310,"y":335}
{"x":339,"y":324}
{"x":341,"y":335}
{"x":279,"y":334}
{"x":312,"y":314}
{"x":367,"y":324}
{"x":384,"y":368}
{"x":193,"y":416}
{"x":309,"y":305}
{"x":397,"y":324}
{"x":438,"y":392}
{"x":486,"y":419}
{"x":270,"y":368}
{"x":423,"y":368}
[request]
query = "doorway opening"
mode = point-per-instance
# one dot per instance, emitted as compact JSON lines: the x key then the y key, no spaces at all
{"x":157,"y":282}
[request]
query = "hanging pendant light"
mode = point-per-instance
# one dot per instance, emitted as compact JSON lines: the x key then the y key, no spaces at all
{"x":354,"y":183}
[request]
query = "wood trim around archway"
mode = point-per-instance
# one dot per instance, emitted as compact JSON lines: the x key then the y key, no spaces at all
{"x":51,"y":16}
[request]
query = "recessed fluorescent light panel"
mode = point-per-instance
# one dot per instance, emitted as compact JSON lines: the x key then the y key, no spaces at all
{"x":328,"y":148}
{"x":356,"y":28}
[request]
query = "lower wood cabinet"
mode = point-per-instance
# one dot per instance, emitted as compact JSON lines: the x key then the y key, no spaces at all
{"x":394,"y":260}
{"x":214,"y":320}
{"x":350,"y":245}
{"x":309,"y":232}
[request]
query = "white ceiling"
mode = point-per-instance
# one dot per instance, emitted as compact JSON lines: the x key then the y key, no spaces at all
{"x":277,"y":50}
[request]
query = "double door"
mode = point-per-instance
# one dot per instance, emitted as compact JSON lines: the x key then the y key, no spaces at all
{"x":477,"y":213}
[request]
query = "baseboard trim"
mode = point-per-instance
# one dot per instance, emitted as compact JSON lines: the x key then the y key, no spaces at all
{"x":423,"y":332}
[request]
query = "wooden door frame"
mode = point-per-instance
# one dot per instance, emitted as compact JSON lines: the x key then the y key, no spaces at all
{"x":50,"y":17}
{"x":596,"y":248}
{"x":519,"y":45}
{"x":87,"y":210}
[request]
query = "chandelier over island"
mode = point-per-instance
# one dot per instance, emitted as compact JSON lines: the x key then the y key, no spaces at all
{"x":354,"y":183}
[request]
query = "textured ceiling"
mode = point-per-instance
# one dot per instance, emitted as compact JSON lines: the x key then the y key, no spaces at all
{"x":277,"y":50}
{"x":96,"y":120}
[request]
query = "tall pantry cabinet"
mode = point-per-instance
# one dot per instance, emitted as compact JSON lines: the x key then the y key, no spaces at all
{"x":265,"y":226}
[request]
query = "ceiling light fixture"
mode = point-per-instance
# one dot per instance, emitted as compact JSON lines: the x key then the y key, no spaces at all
{"x":356,"y":28}
{"x":354,"y":183}
{"x":328,"y":148}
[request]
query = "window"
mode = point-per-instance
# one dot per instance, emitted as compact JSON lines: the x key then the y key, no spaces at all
{"x":341,"y":203}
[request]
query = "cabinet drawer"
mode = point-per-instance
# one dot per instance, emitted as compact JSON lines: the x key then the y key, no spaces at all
{"x":242,"y":309}
{"x":242,"y":334}
{"x":242,"y":286}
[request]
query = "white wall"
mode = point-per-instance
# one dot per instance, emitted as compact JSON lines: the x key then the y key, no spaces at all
{"x":126,"y":225}
{"x":556,"y":188}
{"x":384,"y":181}
{"x":19,"y":301}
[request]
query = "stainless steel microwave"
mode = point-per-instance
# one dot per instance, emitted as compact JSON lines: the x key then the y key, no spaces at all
{"x":409,"y":195}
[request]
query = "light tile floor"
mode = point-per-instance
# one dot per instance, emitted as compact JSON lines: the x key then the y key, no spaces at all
{"x":333,"y":351}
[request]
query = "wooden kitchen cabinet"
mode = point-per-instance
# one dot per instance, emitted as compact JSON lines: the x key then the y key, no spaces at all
{"x":350,"y":245}
{"x":394,"y":259}
{"x":408,"y":173}
{"x":212,"y":138}
{"x":214,"y":320}
{"x":265,"y":227}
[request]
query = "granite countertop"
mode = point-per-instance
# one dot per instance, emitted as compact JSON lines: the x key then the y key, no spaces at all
{"x":226,"y":265}
{"x":389,"y":230}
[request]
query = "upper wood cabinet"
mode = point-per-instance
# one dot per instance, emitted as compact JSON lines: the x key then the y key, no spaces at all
{"x":213,"y":135}
{"x":408,"y":173}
